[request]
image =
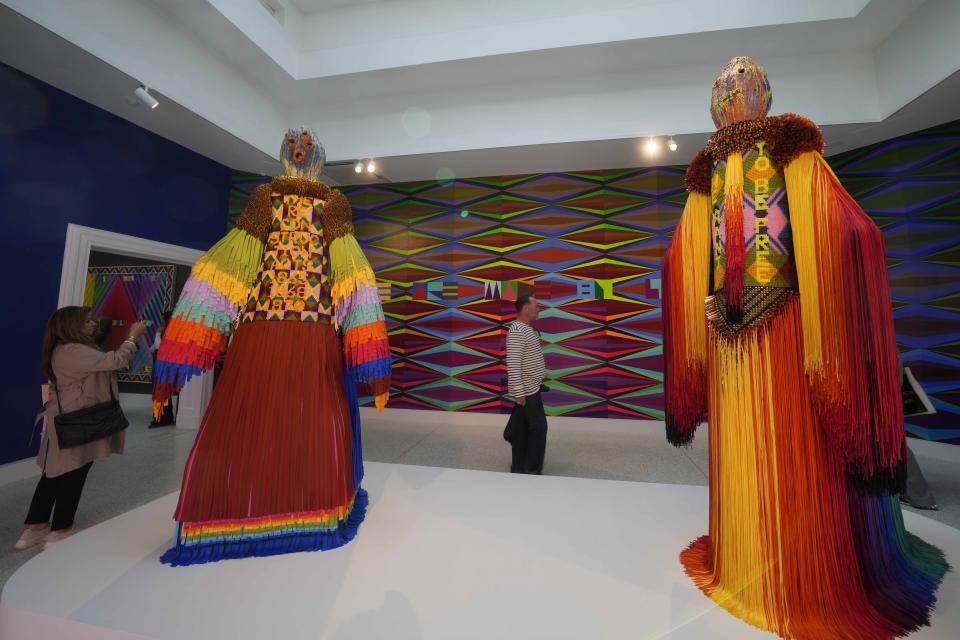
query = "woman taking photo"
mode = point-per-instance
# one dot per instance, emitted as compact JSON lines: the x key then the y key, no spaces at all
{"x":81,"y":376}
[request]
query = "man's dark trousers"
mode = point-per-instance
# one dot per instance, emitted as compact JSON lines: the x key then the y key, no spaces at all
{"x":529,"y":440}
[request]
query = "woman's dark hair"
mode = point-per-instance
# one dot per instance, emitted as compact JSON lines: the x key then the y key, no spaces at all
{"x":66,"y":325}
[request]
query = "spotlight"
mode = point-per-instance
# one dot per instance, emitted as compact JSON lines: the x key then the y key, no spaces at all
{"x":143,"y":95}
{"x":652,"y":146}
{"x":672,"y":144}
{"x":371,"y":166}
{"x":358,"y":168}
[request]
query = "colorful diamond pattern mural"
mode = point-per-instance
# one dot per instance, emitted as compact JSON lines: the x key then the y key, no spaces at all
{"x":587,"y":244}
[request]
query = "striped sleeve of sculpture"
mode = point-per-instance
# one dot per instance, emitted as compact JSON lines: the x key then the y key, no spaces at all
{"x":356,"y":301}
{"x":204,"y":316}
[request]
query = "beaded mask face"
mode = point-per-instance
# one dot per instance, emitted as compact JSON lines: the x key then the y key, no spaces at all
{"x":741,"y":92}
{"x":302,"y":155}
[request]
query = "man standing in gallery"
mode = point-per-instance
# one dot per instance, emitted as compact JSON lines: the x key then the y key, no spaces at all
{"x":527,"y":429}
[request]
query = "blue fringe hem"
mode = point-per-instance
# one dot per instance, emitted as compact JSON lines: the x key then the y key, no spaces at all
{"x":183,"y":555}
{"x":175,"y":373}
{"x":373,"y":370}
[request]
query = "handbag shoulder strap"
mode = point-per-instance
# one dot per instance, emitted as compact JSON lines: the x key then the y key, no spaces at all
{"x":56,"y":390}
{"x":113,"y":398}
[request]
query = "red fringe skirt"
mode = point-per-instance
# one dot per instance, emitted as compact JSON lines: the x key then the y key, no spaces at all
{"x":272,"y":468}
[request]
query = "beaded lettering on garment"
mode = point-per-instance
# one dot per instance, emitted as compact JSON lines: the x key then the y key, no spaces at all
{"x":336,"y":219}
{"x":767,"y":237}
{"x":293,"y":281}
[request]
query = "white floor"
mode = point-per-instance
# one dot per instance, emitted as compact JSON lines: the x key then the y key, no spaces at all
{"x":444,"y":553}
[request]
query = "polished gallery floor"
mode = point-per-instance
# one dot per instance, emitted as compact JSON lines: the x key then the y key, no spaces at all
{"x":444,"y":553}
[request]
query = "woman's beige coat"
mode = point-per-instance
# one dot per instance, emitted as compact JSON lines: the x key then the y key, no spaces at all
{"x":84,"y":377}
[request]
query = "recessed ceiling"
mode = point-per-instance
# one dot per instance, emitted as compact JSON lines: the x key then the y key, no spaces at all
{"x":432,"y":86}
{"x":315,"y":6}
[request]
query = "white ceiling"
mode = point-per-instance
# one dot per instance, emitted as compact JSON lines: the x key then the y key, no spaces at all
{"x":315,"y":6}
{"x":470,"y":88}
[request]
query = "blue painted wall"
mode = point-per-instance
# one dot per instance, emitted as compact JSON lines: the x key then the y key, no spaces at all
{"x":63,"y":160}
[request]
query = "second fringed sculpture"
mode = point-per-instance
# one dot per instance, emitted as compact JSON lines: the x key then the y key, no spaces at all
{"x":778,"y":327}
{"x":276,"y":466}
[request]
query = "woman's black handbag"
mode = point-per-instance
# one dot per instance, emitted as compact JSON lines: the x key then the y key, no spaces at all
{"x":90,"y":423}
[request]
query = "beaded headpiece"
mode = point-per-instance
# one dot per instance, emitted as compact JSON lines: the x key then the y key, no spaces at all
{"x":302,"y":155}
{"x":741,"y":92}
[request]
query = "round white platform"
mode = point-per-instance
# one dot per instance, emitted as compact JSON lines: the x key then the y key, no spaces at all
{"x":444,"y":553}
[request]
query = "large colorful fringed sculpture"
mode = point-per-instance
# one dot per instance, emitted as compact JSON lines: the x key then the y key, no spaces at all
{"x":778,"y":326}
{"x":277,"y":466}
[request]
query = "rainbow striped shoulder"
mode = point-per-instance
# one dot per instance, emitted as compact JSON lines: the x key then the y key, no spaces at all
{"x":204,"y":317}
{"x":356,"y":303}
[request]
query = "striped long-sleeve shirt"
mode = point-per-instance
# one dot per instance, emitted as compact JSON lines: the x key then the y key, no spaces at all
{"x":525,"y":367}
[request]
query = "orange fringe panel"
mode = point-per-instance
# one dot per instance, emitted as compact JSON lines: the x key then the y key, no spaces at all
{"x":685,"y":281}
{"x":848,"y":338}
{"x":793,"y":548}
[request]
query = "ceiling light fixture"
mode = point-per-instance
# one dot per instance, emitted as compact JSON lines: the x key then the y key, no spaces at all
{"x":143,"y":95}
{"x":371,"y":166}
{"x":672,"y":144}
{"x":651,"y":146}
{"x":358,"y":168}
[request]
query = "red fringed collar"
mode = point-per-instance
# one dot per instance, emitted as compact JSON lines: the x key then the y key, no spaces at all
{"x":697,"y":179}
{"x":787,"y":136}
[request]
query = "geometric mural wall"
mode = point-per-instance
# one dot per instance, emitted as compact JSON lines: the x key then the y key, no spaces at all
{"x":451,"y":256}
{"x":127,"y":294}
{"x":910,"y":186}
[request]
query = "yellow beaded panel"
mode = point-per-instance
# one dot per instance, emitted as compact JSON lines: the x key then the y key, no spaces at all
{"x":293,"y":283}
